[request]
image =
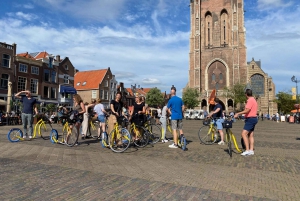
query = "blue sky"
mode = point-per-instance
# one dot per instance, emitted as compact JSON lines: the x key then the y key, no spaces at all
{"x":146,"y":42}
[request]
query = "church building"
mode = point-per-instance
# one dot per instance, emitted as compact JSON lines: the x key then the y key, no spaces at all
{"x":218,"y":55}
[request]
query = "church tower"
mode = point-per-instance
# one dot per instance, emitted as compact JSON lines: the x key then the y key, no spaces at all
{"x":217,"y":47}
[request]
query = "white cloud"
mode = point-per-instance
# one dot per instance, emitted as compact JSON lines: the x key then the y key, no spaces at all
{"x":22,"y":15}
{"x":269,"y":4}
{"x":150,"y":81}
{"x":28,"y":6}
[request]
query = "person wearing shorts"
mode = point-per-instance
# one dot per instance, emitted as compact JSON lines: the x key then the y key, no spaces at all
{"x":175,"y":108}
{"x":218,"y":117}
{"x":99,"y":109}
{"x":250,"y":122}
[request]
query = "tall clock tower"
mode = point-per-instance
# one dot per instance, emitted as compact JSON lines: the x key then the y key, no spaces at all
{"x":217,"y":47}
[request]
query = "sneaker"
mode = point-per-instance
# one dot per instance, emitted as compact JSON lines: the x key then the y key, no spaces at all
{"x":24,"y":136}
{"x":163,"y":141}
{"x":29,"y":136}
{"x":82,"y":137}
{"x":247,"y":153}
{"x":221,"y":143}
{"x":173,"y":146}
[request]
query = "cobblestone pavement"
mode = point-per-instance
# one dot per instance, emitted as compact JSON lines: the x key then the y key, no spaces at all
{"x":40,"y":170}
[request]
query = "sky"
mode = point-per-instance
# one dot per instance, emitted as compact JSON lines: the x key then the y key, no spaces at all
{"x":147,"y":42}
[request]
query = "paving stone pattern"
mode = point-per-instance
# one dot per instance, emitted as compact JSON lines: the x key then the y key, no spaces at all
{"x":40,"y":170}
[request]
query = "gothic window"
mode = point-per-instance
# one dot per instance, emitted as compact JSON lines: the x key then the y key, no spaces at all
{"x":258,"y":84}
{"x":213,"y":77}
{"x":221,"y":76}
{"x":224,"y":27}
{"x":208,"y":24}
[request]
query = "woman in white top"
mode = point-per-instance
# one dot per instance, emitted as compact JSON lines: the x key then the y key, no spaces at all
{"x":99,"y":109}
{"x":163,"y":120}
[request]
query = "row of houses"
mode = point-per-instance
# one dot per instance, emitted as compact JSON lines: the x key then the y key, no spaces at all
{"x":53,"y":80}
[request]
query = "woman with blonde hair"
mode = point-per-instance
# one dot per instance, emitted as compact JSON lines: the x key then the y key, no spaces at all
{"x":80,"y":110}
{"x":101,"y":113}
{"x":138,"y":111}
{"x":86,"y":118}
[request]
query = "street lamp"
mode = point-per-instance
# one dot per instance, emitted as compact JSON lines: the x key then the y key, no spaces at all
{"x":294,"y":79}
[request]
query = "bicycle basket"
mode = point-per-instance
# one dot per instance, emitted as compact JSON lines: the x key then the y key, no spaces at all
{"x":227,"y":124}
{"x":206,"y":122}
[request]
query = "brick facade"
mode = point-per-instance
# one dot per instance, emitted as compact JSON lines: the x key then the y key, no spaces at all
{"x":217,"y":48}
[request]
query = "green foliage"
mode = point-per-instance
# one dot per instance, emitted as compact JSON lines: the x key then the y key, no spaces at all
{"x":50,"y":107}
{"x":284,"y":102}
{"x":190,"y":98}
{"x":236,"y":93}
{"x":154,"y":97}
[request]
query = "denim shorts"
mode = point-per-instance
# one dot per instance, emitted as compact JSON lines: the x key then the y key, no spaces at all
{"x":250,"y":123}
{"x":101,"y":118}
{"x":219,"y":124}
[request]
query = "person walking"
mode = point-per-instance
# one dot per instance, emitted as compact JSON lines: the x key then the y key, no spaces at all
{"x":250,"y":122}
{"x":218,"y":117}
{"x":175,"y":108}
{"x":29,"y":103}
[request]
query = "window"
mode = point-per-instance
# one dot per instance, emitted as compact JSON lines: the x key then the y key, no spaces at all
{"x":46,"y":92}
{"x":22,"y":83}
{"x":84,"y":83}
{"x":94,"y":93}
{"x":101,"y":94}
{"x":224,"y":31}
{"x":78,"y":83}
{"x":106,"y":95}
{"x":23,"y":68}
{"x":53,"y":93}
{"x":34,"y":70}
{"x":5,"y":60}
{"x":111,"y":85}
{"x":66,"y":67}
{"x":221,"y":76}
{"x":47,"y":75}
{"x":53,"y":77}
{"x":106,"y":83}
{"x":213,"y":77}
{"x":4,"y":81}
{"x":66,"y":79}
{"x":34,"y":86}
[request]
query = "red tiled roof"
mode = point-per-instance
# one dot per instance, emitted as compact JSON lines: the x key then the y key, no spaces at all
{"x":26,"y":55}
{"x":139,"y":91}
{"x":41,"y":55}
{"x":129,"y":90}
{"x":92,"y":78}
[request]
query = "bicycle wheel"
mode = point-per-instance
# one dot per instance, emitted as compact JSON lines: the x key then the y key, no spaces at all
{"x":228,"y":139}
{"x":104,"y":140}
{"x":53,"y":136}
{"x":14,"y":135}
{"x":119,"y":140}
{"x":142,"y":136}
{"x":45,"y":130}
{"x":155,"y":133}
{"x":182,"y":143}
{"x":207,"y":135}
{"x":71,"y":137}
{"x":93,"y":129}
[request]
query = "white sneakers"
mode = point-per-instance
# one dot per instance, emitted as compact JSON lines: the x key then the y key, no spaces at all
{"x":221,"y":143}
{"x":163,"y":141}
{"x":173,"y":146}
{"x":247,"y":153}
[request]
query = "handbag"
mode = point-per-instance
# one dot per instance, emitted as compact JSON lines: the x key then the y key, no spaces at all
{"x":227,"y":124}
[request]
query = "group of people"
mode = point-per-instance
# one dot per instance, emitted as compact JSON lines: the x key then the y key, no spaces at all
{"x":174,"y":108}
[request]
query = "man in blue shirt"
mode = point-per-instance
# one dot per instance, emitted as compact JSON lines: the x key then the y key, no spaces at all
{"x":175,"y":108}
{"x":27,"y":113}
{"x":217,"y":114}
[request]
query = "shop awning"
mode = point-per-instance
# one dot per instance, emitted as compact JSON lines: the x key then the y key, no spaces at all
{"x":67,"y":89}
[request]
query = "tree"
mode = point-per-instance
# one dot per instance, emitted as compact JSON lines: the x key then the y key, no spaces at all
{"x":284,"y":102}
{"x":190,"y":98}
{"x":237,"y":93}
{"x":50,"y":107}
{"x":154,"y":97}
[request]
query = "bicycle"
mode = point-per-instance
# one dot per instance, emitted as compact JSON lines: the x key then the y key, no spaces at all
{"x":154,"y":131}
{"x":230,"y":137}
{"x":41,"y":127}
{"x":70,"y":135}
{"x":119,"y":138}
{"x":208,"y":133}
{"x":140,"y":133}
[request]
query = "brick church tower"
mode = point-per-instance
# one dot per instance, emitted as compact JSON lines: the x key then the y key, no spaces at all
{"x":217,"y":48}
